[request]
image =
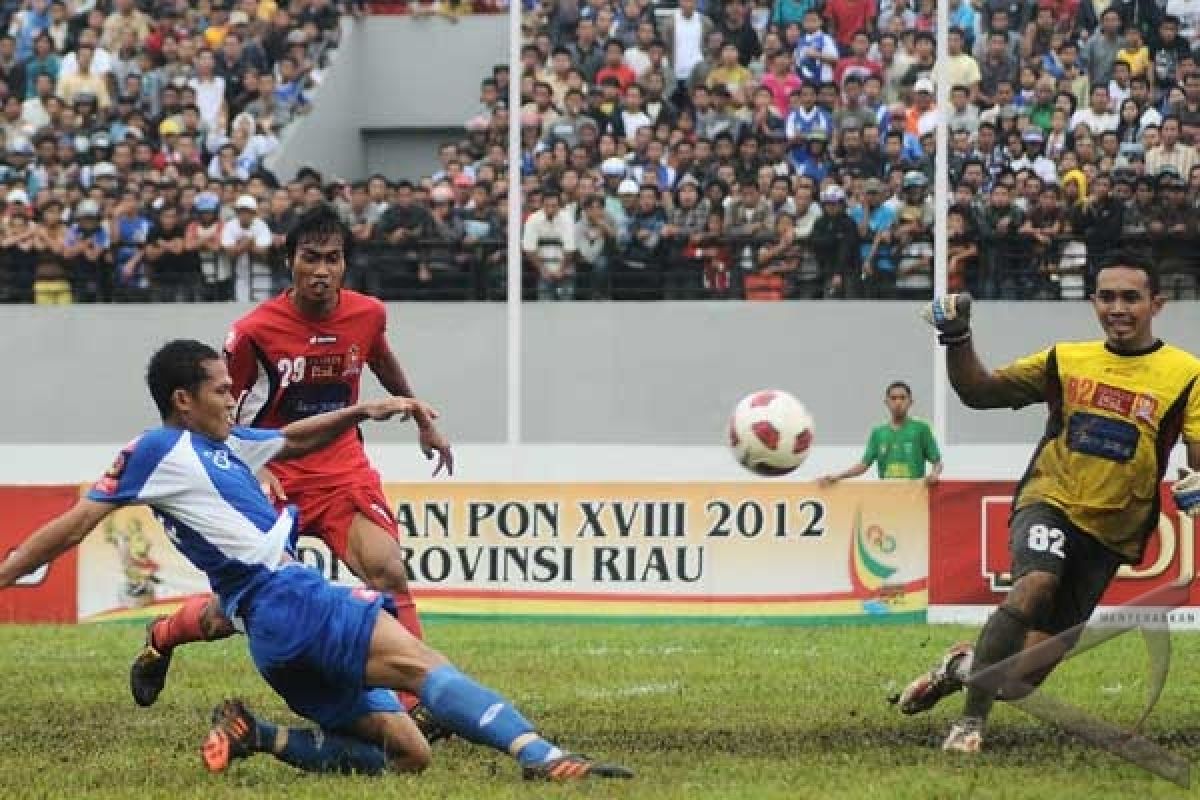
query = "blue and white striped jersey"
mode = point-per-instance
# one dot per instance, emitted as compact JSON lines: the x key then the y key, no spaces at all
{"x":209,"y":501}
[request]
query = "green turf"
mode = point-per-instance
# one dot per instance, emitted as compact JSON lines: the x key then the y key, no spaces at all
{"x":699,"y":712}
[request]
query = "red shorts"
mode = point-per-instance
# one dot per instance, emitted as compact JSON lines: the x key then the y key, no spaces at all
{"x":328,"y":514}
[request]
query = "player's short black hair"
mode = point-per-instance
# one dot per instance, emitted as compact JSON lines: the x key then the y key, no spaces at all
{"x":1134,"y":258}
{"x":318,"y":223}
{"x":178,"y":364}
{"x":898,"y":385}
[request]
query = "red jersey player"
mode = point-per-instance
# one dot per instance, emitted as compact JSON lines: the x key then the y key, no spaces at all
{"x":294,"y":356}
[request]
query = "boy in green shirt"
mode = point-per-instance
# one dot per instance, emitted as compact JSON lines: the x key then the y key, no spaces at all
{"x":899,"y":448}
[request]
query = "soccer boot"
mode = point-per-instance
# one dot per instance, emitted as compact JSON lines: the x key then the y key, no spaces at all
{"x":231,"y":737}
{"x":966,"y":736}
{"x":148,"y":673}
{"x":430,"y":728}
{"x":924,"y":692}
{"x":573,"y":767}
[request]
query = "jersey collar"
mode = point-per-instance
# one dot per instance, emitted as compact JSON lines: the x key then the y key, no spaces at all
{"x":1157,"y":345}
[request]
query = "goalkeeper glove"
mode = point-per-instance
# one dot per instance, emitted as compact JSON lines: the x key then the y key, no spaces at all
{"x":1186,"y":492}
{"x":951,"y":315}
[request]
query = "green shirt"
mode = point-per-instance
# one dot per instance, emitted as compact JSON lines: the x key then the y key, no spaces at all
{"x":902,"y":452}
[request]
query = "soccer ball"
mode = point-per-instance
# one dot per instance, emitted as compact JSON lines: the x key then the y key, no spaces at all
{"x":770,"y":432}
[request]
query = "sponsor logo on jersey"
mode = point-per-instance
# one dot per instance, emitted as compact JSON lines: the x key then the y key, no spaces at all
{"x":325,"y":368}
{"x":323,"y":338}
{"x":1111,"y":398}
{"x":353,"y":362}
{"x":1145,"y":407}
{"x":1114,"y":399}
{"x":220,"y":458}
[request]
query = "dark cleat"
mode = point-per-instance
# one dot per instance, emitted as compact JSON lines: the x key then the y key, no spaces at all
{"x":148,"y":674}
{"x":430,"y":728}
{"x":573,"y":767}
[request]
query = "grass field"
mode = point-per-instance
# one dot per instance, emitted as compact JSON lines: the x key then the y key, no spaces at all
{"x":699,"y":712}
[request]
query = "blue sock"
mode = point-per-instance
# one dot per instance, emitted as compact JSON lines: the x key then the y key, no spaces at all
{"x":316,"y":751}
{"x":478,"y":714}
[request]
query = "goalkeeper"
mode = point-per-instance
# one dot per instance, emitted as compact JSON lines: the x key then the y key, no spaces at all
{"x":1089,"y":498}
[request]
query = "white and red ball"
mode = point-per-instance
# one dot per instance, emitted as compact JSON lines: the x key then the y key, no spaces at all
{"x":770,"y":432}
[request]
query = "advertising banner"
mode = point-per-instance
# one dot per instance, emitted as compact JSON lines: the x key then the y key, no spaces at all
{"x":969,"y":559}
{"x":47,"y":594}
{"x":765,"y":552}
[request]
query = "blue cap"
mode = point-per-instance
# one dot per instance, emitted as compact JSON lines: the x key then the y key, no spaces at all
{"x":206,"y":202}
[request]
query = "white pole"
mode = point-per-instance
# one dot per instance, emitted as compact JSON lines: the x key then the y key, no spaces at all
{"x":941,"y":203}
{"x":513,"y":304}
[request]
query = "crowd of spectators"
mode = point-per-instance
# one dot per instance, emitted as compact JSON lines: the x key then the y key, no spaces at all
{"x":767,"y":150}
{"x":1073,"y":126}
{"x":135,"y":143}
{"x":135,"y":137}
{"x":690,"y":149}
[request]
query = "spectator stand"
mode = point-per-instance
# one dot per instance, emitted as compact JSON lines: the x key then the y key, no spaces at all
{"x":760,"y":151}
{"x":1072,"y":131}
{"x":136,"y":141}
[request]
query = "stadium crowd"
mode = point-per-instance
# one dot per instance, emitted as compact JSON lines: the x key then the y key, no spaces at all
{"x":773,"y":150}
{"x":1072,"y":127}
{"x":135,"y":139}
{"x":782,"y":149}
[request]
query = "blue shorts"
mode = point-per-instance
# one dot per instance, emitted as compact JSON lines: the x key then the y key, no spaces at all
{"x":310,"y":639}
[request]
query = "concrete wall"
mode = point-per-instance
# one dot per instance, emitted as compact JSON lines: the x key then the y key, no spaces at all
{"x":407,"y":79}
{"x":328,"y":136}
{"x":660,"y":374}
{"x":425,"y":73}
{"x":405,"y":153}
{"x":82,"y":368}
{"x":671,"y":373}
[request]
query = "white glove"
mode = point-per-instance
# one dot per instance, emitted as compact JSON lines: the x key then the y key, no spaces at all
{"x":951,"y":315}
{"x":1186,"y":492}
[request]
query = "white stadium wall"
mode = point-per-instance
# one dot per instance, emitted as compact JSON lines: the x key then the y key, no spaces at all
{"x":396,"y":84}
{"x":610,"y":391}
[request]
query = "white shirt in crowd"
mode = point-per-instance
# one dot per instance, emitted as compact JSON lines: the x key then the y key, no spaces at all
{"x":210,"y":96}
{"x":251,"y":273}
{"x":1097,"y":123}
{"x":102,"y":63}
{"x":549,"y":238}
{"x":689,"y":43}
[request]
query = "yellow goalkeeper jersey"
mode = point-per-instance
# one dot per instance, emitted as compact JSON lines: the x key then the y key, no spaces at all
{"x":1113,"y":419}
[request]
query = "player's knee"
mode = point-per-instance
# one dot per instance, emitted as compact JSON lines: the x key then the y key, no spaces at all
{"x":388,"y":575}
{"x":1032,"y":598}
{"x":214,"y":624}
{"x":415,"y":758}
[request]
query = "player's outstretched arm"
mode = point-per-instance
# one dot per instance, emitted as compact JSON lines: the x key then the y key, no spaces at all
{"x":308,"y":435}
{"x":974,"y":383}
{"x":850,"y":472}
{"x":53,"y":539}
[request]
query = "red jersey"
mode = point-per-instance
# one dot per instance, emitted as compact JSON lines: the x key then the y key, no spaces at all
{"x":286,"y":367}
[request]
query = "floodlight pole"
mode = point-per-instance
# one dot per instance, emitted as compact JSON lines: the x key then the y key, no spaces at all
{"x":513,"y":261}
{"x":941,"y":205}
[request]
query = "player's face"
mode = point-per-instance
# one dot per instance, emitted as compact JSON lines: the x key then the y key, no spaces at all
{"x":318,"y":268}
{"x":1126,"y":307}
{"x":209,"y":410}
{"x":898,"y":403}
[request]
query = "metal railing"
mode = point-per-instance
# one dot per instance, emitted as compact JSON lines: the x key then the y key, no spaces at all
{"x":1018,"y":267}
{"x":726,"y":268}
